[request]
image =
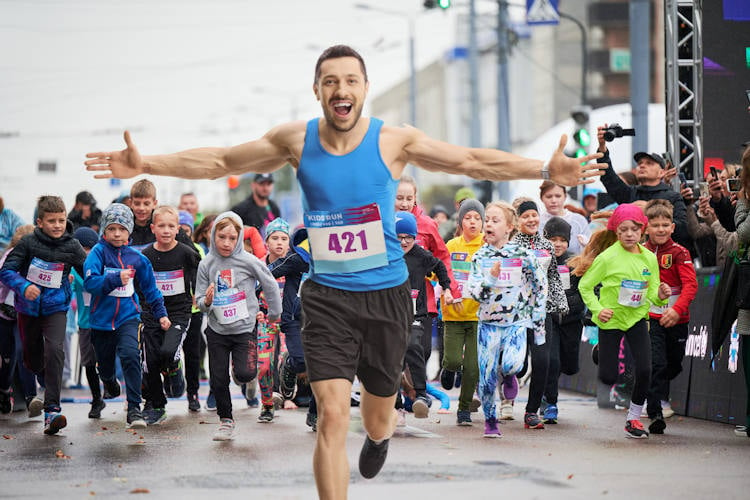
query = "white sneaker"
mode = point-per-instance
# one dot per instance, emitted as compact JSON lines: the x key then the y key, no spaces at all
{"x":506,"y":410}
{"x":666,"y":409}
{"x":225,"y":432}
{"x":401,"y":421}
{"x":740,"y":431}
{"x":35,"y":407}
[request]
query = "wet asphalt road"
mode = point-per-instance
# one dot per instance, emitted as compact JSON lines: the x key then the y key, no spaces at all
{"x":584,"y":456}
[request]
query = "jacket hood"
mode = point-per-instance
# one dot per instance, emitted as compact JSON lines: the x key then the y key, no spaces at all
{"x":239,"y":247}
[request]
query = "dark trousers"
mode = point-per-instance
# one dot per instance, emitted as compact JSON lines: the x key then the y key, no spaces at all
{"x":426,"y":338}
{"x":292,"y":331}
{"x":43,"y":339}
{"x":161,"y":350}
{"x":667,"y":351}
{"x":191,"y":346}
{"x":564,"y":343}
{"x":540,"y":355}
{"x":637,"y":338}
{"x":243,"y":351}
{"x":122,"y":343}
{"x":415,"y":360}
{"x":8,"y":359}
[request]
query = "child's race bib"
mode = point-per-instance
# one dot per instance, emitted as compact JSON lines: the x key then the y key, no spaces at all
{"x":121,"y":291}
{"x":170,"y":282}
{"x":564,"y":272}
{"x":230,"y":307}
{"x":510,"y":271}
{"x":544,"y":257}
{"x":632,"y":293}
{"x":46,"y":274}
{"x":671,"y":301}
{"x":461,"y":266}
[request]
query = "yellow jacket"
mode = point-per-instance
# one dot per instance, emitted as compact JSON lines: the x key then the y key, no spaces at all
{"x":461,"y":252}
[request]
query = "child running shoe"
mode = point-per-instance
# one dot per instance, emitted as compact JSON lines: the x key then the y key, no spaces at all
{"x":135,"y":419}
{"x":225,"y":432}
{"x":634,"y":429}
{"x":34,"y":406}
{"x":53,"y":422}
{"x":266,"y":415}
{"x":491,"y":430}
{"x":288,"y":379}
{"x":97,"y":406}
{"x":211,"y":402}
{"x":6,"y":401}
{"x":111,"y":389}
{"x":421,"y":407}
{"x":532,"y":421}
{"x":463,"y":418}
{"x":312,"y":421}
{"x":154,"y":416}
{"x":550,"y":414}
{"x":657,"y":425}
{"x":193,"y":403}
{"x":506,"y":409}
{"x":447,"y":379}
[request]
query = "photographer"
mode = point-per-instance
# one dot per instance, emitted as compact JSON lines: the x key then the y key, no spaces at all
{"x":649,"y":173}
{"x":722,"y":200}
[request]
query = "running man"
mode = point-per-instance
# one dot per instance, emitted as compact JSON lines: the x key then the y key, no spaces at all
{"x":348,"y":167}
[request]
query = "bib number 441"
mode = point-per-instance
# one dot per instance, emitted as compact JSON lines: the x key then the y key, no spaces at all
{"x":347,"y":242}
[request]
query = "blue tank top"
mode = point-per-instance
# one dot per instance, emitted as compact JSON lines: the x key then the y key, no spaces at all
{"x":348,"y":204}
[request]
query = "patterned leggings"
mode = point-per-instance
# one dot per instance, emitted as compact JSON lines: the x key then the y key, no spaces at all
{"x":491,"y":340}
{"x":267,"y":338}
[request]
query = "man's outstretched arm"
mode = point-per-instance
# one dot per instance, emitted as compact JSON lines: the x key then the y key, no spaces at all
{"x":266,"y":154}
{"x":496,"y":165}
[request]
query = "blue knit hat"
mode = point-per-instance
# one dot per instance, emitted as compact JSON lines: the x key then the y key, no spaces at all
{"x":86,"y":236}
{"x":277,"y":224}
{"x":117,"y":213}
{"x":186,"y":218}
{"x":406,"y":223}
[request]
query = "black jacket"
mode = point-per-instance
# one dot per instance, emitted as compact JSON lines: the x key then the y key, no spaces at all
{"x":421,"y":264}
{"x":253,"y":215}
{"x":575,"y":302}
{"x":291,"y":267}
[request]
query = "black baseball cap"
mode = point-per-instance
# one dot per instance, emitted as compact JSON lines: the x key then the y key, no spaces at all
{"x":653,"y":156}
{"x":263,"y":178}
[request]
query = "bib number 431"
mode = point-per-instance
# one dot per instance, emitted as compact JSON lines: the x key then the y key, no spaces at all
{"x":347,"y":242}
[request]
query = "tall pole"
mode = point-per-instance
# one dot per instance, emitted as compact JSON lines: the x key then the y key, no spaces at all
{"x":584,"y":54}
{"x":503,"y":105}
{"x":412,"y":76}
{"x":475,"y":139}
{"x":640,"y":77}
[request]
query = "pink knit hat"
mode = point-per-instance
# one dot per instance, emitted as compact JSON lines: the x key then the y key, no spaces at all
{"x":626,"y":211}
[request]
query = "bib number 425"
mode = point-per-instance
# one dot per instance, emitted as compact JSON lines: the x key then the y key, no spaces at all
{"x":347,"y":242}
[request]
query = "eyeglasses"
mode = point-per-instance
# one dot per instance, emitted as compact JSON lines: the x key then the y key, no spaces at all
{"x":406,"y":239}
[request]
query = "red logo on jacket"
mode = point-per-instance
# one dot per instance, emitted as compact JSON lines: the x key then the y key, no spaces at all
{"x":666,"y":261}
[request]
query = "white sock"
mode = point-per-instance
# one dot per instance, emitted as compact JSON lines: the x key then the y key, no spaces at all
{"x":634,"y":412}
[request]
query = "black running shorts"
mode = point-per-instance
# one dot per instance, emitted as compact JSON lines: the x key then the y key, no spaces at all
{"x":348,"y":333}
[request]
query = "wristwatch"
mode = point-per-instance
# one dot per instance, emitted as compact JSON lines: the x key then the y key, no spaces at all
{"x":545,"y":170}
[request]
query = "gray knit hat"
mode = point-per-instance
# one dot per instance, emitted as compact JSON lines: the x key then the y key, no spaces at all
{"x":468,"y":205}
{"x":117,"y":213}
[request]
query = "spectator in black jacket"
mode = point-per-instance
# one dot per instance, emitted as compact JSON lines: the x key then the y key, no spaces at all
{"x":722,"y":200}
{"x":85,"y":213}
{"x":649,"y":173}
{"x":258,"y":209}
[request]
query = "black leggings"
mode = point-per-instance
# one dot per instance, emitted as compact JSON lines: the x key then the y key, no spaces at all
{"x":640,"y":347}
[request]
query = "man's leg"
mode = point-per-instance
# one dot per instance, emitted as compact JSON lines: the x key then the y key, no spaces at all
{"x":330,"y":463}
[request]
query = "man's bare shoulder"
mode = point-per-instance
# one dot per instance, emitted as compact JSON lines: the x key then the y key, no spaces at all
{"x":287,"y":134}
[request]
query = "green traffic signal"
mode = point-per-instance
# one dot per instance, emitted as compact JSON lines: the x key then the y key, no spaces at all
{"x":582,"y":137}
{"x":443,"y":4}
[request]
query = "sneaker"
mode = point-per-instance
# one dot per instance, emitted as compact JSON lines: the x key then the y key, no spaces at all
{"x":420,"y":407}
{"x":506,"y":409}
{"x":401,"y":418}
{"x":174,"y":382}
{"x":657,"y":425}
{"x":193,"y":403}
{"x":372,"y":457}
{"x":666,"y":409}
{"x":312,"y":421}
{"x":550,"y":414}
{"x":510,"y":387}
{"x":474,"y":405}
{"x":154,"y":416}
{"x":97,"y":406}
{"x":447,"y":379}
{"x":253,"y":403}
{"x":211,"y":402}
{"x":532,"y":421}
{"x":266,"y":415}
{"x":34,"y":406}
{"x":634,"y":429}
{"x":111,"y":389}
{"x":741,"y":431}
{"x":225,"y":432}
{"x":6,"y":402}
{"x":278,"y":401}
{"x":288,"y":379}
{"x":491,"y":429}
{"x":463,"y":418}
{"x":135,"y":419}
{"x":53,"y":422}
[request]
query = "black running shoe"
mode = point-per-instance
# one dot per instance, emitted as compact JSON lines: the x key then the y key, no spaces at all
{"x":6,"y":401}
{"x":97,"y":406}
{"x":657,"y":425}
{"x":372,"y":457}
{"x":193,"y":403}
{"x":288,"y":382}
{"x":111,"y":389}
{"x":447,"y":379}
{"x":312,"y":421}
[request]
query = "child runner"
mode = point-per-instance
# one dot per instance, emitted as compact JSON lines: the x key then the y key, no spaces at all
{"x":668,"y":325}
{"x":629,"y":275}
{"x":553,"y":197}
{"x":511,"y":288}
{"x":38,"y":272}
{"x":564,"y":335}
{"x":460,"y":317}
{"x":175,"y":266}
{"x":225,"y":289}
{"x":111,"y":271}
{"x":528,"y":237}
{"x":421,"y":264}
{"x":88,"y":238}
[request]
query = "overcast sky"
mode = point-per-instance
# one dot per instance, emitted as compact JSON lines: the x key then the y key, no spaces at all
{"x":73,"y":67}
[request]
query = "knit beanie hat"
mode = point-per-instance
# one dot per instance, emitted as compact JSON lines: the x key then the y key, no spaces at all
{"x":557,"y":226}
{"x":406,"y":223}
{"x":624,"y":212}
{"x":526,"y":206}
{"x":186,"y":218}
{"x":117,"y":213}
{"x":277,"y":224}
{"x":468,"y":206}
{"x":86,"y":236}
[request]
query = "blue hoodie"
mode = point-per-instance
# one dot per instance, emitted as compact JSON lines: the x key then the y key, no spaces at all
{"x":102,"y":277}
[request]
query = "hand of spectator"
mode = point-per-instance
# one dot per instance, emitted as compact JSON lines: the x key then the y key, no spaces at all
{"x":664,"y":291}
{"x":605,"y":315}
{"x":669,"y":174}
{"x":32,"y":292}
{"x":164,"y":323}
{"x":687,"y":195}
{"x":705,"y":210}
{"x":600,"y":138}
{"x":669,"y":318}
{"x":715,"y":188}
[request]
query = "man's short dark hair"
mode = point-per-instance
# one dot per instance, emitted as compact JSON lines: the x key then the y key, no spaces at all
{"x":335,"y":52}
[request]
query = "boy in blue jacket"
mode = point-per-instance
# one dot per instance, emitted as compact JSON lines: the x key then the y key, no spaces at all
{"x":109,"y":274}
{"x":38,"y":271}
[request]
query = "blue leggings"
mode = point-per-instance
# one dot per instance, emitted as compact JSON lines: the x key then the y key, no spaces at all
{"x":491,"y":340}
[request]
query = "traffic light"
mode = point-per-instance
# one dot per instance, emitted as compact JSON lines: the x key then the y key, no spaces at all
{"x":581,"y":135}
{"x":431,"y":4}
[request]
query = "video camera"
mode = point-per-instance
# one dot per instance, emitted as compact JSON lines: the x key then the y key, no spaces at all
{"x":615,"y":130}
